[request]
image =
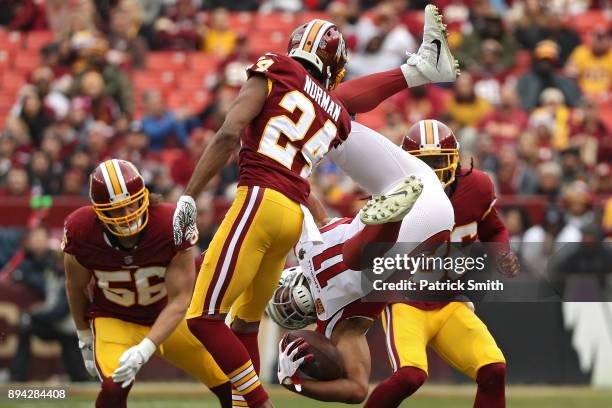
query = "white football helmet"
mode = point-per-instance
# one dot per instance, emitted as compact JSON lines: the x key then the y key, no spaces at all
{"x":292,"y":306}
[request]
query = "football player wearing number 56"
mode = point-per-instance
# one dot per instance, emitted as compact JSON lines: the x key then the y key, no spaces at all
{"x":288,"y":115}
{"x":142,"y":286}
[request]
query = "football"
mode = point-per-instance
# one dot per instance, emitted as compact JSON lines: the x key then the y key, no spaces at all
{"x":327,"y":362}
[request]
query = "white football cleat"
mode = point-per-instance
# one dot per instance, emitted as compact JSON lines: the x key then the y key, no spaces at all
{"x":434,"y":59}
{"x":393,"y":205}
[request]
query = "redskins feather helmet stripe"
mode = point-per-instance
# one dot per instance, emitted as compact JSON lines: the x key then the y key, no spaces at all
{"x":321,"y":44}
{"x":116,"y":184}
{"x":434,"y":143}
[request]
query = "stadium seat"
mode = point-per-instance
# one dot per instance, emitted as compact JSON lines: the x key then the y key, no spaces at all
{"x":26,"y":61}
{"x":5,"y":60}
{"x":241,"y":22}
{"x":11,"y":41}
{"x":306,"y":16}
{"x":264,"y":41}
{"x":166,"y":61}
{"x":191,"y":80}
{"x":156,"y":80}
{"x":588,"y":21}
{"x":35,"y":40}
{"x":202,"y":63}
{"x":275,"y":22}
{"x":12,"y":81}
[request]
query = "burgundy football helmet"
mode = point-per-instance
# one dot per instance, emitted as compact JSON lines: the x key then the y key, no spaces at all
{"x":321,"y":44}
{"x":116,"y":184}
{"x":434,"y":143}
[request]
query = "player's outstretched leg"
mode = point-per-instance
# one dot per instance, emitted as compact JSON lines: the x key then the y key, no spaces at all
{"x":393,"y":205}
{"x":491,"y":386}
{"x":434,"y":59}
{"x":391,"y":392}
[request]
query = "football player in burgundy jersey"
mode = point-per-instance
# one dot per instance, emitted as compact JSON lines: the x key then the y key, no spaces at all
{"x":452,"y":329}
{"x":288,"y":115}
{"x":327,"y":286}
{"x":142,"y":285}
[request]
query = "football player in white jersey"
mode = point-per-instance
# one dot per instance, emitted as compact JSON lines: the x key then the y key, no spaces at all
{"x":327,"y":286}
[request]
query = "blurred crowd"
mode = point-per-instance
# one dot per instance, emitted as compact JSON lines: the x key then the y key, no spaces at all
{"x":150,"y":81}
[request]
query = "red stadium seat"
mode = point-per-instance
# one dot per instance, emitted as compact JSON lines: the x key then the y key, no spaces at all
{"x":587,"y":22}
{"x":275,"y":22}
{"x":5,"y":60}
{"x":12,"y":81}
{"x":263,"y":41}
{"x":26,"y":61}
{"x":202,"y":63}
{"x":241,"y":22}
{"x":38,"y":39}
{"x":166,"y":61}
{"x":190,"y":80}
{"x":375,"y":119}
{"x":7,"y":100}
{"x":154,"y":80}
{"x":306,"y":16}
{"x":11,"y":41}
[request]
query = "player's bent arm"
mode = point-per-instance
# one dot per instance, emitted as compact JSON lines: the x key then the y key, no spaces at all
{"x":77,"y":280}
{"x":180,"y":277}
{"x":243,"y":110}
{"x":352,"y":389}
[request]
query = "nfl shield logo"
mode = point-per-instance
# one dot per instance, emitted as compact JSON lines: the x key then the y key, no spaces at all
{"x":128,"y":260}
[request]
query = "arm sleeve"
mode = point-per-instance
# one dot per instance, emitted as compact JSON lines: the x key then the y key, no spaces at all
{"x":363,"y":94}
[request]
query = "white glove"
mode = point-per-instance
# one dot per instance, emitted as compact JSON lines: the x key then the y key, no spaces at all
{"x":86,"y":347}
{"x":185,"y":219}
{"x":131,"y":360}
{"x":287,"y":362}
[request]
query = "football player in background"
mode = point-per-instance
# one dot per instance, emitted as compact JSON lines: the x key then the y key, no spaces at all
{"x":142,"y":286}
{"x":452,"y":329}
{"x":327,"y":286}
{"x":286,"y":118}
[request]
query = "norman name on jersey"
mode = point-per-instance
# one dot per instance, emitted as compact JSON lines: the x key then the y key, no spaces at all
{"x":322,"y":98}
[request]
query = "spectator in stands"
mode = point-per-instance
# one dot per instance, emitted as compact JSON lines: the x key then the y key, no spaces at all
{"x":588,"y":132}
{"x":99,"y":143}
{"x":91,"y":56}
{"x":45,"y":179}
{"x":572,"y":167}
{"x":591,"y":64}
{"x":513,"y":175}
{"x":35,"y":116}
{"x":543,"y":240}
{"x":345,"y":16}
{"x":177,"y":28}
{"x":135,"y":148}
{"x":127,"y":48}
{"x":602,"y":182}
{"x":382,"y":45}
{"x":549,"y":180}
{"x":25,"y":15}
{"x":551,"y":120}
{"x":489,"y":75}
{"x":17,"y":183}
{"x":185,"y":163}
{"x":50,"y":321}
{"x":506,"y":123}
{"x":219,"y":38}
{"x":54,"y":100}
{"x":516,"y":220}
{"x":542,"y":75}
{"x":99,"y":106}
{"x":163,"y":127}
{"x":38,"y":259}
{"x":465,"y":106}
{"x":578,"y":202}
{"x":74,"y":183}
{"x":488,"y":27}
{"x":556,"y":29}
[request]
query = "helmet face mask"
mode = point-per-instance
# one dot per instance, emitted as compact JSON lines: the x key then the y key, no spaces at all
{"x":434,"y":143}
{"x":119,"y":197}
{"x":321,"y":44}
{"x":291,"y":305}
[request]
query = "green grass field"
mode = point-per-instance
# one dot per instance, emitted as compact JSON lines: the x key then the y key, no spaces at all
{"x":147,"y":395}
